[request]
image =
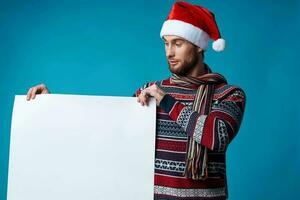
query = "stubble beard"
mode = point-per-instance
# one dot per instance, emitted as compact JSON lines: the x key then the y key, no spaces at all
{"x":185,"y":67}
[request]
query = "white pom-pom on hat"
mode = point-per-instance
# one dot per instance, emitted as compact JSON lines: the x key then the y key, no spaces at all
{"x":219,"y":45}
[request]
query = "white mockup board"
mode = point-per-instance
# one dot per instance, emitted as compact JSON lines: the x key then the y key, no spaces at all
{"x":76,"y":147}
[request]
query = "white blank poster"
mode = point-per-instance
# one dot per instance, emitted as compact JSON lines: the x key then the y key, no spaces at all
{"x":76,"y":147}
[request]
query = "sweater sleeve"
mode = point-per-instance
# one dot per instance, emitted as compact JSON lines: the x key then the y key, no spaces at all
{"x":215,"y":130}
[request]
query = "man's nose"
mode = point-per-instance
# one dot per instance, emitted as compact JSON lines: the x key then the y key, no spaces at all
{"x":170,"y":51}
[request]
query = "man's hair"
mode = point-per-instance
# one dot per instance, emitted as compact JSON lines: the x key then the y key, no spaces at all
{"x":202,"y":53}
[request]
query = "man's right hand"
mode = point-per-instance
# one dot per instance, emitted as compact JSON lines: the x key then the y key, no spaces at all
{"x":38,"y":89}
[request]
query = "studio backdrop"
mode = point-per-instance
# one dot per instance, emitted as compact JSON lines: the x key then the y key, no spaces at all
{"x":113,"y":47}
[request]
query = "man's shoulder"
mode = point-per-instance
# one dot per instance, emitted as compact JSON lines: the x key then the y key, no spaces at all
{"x":225,"y":90}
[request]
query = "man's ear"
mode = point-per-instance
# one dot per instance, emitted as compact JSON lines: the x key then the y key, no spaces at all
{"x":199,"y":50}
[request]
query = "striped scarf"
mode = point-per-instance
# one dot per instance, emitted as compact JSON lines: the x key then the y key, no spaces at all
{"x":196,"y":157}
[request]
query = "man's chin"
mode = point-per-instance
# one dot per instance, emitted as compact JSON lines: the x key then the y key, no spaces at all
{"x":180,"y":69}
{"x":177,"y":72}
{"x":175,"y":69}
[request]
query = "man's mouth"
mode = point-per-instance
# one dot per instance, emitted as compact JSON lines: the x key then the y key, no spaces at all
{"x":173,"y":62}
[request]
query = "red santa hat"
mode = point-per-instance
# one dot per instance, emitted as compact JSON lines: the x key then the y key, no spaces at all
{"x":193,"y":23}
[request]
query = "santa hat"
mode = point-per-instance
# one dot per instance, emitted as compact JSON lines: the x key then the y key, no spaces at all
{"x":193,"y":23}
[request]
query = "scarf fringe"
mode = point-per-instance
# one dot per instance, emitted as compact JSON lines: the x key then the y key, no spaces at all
{"x":196,"y":162}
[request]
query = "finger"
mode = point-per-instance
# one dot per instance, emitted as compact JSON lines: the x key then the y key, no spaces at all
{"x":40,"y":88}
{"x":29,"y":94}
{"x":45,"y":91}
{"x":148,"y":94}
{"x":141,"y":101}
{"x":140,"y":98}
{"x":33,"y":92}
{"x":144,"y":99}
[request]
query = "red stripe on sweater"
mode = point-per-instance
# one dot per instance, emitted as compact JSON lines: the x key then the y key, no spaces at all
{"x":171,"y":145}
{"x":175,"y":111}
{"x":188,"y":183}
{"x":182,"y":96}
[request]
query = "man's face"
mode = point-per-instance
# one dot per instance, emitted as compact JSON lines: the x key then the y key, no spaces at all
{"x":182,"y":55}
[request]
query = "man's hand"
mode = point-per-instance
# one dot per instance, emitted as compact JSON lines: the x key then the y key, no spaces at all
{"x":38,"y":89}
{"x":152,"y":91}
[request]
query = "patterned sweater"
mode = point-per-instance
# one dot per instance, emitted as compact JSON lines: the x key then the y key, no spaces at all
{"x":175,"y":122}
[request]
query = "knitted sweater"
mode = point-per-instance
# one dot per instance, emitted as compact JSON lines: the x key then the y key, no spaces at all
{"x":175,"y":122}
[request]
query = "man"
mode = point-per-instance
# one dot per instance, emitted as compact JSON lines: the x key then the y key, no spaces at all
{"x":198,"y":113}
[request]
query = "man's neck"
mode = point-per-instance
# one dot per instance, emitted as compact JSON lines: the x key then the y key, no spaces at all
{"x":198,"y":70}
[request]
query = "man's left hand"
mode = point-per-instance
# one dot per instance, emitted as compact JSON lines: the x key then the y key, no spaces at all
{"x":152,"y":91}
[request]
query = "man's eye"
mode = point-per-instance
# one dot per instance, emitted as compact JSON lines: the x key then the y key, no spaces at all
{"x":178,"y":44}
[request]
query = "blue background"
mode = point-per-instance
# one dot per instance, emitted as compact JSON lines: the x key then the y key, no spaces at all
{"x":102,"y":48}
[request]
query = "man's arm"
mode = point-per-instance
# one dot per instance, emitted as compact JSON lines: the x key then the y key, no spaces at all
{"x":216,"y":130}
